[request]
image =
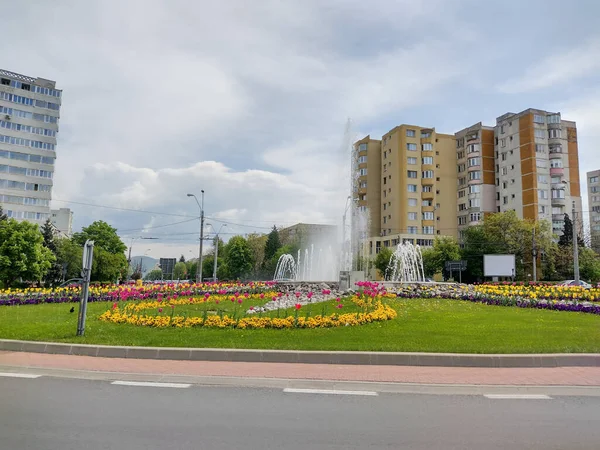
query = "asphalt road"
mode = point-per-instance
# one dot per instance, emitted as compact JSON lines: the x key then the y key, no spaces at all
{"x":63,"y":414}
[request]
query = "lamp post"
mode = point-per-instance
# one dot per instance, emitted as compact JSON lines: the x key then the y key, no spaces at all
{"x":201,"y":206}
{"x":575,"y":243}
{"x":217,"y":252}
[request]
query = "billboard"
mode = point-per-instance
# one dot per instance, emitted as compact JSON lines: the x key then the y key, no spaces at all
{"x":167,"y":265}
{"x":499,"y":265}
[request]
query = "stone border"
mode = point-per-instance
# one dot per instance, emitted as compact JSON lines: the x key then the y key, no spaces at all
{"x":309,"y":357}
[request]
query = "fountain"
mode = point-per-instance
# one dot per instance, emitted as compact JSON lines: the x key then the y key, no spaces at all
{"x":285,"y":269}
{"x":406,"y":264}
{"x":311,"y":265}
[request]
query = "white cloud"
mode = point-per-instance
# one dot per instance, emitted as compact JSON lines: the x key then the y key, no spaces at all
{"x":557,"y":68}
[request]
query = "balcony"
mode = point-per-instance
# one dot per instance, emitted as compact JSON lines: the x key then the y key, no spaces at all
{"x":556,"y":171}
{"x":558,"y":217}
{"x":558,"y":202}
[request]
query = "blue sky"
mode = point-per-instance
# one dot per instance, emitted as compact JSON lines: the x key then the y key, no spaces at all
{"x":249,"y":100}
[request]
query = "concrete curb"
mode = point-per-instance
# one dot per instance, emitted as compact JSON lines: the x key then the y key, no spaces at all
{"x":309,"y":357}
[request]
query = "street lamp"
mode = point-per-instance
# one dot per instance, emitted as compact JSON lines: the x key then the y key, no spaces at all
{"x":575,"y":243}
{"x":201,"y":206}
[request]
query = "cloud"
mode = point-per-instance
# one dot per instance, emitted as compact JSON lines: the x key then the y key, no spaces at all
{"x":557,"y":68}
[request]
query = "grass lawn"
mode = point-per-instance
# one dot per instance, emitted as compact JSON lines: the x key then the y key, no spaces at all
{"x":426,"y":325}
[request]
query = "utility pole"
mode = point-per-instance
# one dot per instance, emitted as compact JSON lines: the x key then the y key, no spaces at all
{"x":217,"y":253}
{"x":575,"y":250}
{"x":534,"y":254}
{"x":201,"y":206}
{"x":86,"y":271}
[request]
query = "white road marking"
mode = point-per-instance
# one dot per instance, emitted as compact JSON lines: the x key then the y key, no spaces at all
{"x":518,"y":397}
{"x":18,"y":375}
{"x":328,"y":392}
{"x":149,"y":384}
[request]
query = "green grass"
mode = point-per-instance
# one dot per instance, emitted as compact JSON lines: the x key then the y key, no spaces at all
{"x":422,"y":325}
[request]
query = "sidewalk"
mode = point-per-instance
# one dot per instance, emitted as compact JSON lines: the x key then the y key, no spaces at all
{"x":554,"y":376}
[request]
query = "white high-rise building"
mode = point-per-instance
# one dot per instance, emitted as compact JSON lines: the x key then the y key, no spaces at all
{"x":29,"y":116}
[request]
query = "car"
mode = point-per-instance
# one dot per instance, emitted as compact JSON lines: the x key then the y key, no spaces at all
{"x":582,"y":283}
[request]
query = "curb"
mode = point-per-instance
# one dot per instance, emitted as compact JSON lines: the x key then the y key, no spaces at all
{"x":309,"y":357}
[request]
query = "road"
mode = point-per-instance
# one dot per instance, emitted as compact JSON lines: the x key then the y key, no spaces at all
{"x":48,"y":413}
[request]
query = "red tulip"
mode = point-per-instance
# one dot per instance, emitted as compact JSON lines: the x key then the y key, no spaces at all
{"x":159,"y":310}
{"x":115,"y":305}
{"x":340,"y":306}
{"x":298,"y":306}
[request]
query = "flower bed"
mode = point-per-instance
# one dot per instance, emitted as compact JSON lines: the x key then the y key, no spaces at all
{"x":162,"y":314}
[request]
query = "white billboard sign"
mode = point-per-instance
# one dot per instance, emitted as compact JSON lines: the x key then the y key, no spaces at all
{"x":499,"y":265}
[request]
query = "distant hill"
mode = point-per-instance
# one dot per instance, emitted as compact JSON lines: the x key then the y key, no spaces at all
{"x":148,"y":263}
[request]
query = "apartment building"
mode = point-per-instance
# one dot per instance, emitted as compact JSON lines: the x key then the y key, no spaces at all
{"x":29,"y":114}
{"x":408,"y":184}
{"x":62,"y":219}
{"x":418,"y":184}
{"x":593,"y":183}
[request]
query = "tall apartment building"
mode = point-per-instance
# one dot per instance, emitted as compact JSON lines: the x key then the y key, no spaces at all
{"x":407,"y":182}
{"x":29,"y":115}
{"x":418,"y":183}
{"x":593,"y":183}
{"x":62,"y":219}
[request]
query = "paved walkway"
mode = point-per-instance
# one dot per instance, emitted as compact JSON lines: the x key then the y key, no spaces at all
{"x":556,"y":376}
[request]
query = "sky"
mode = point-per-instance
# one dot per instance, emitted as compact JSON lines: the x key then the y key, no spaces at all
{"x":256,"y":102}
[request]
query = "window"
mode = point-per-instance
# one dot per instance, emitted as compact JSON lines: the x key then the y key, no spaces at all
{"x":362,"y":147}
{"x":504,"y":185}
{"x":412,"y":173}
{"x":412,"y":160}
{"x":410,"y":133}
{"x":557,"y":210}
{"x":412,"y":188}
{"x":541,"y":163}
{"x":558,"y":193}
{"x":542,"y":179}
{"x":592,"y":188}
{"x":460,"y":143}
{"x":384,"y":220}
{"x":474,"y":203}
{"x":475,"y":217}
{"x":462,"y":206}
{"x":428,"y":230}
{"x":472,"y":136}
{"x":555,"y":180}
{"x":474,"y":175}
{"x":412,"y":202}
{"x":427,"y":174}
{"x":425,"y":134}
{"x":541,"y":209}
{"x":428,"y":215}
{"x":503,"y":142}
{"x":542,"y":194}
{"x":462,"y":220}
{"x":461,"y":168}
{"x":505,"y":200}
{"x":538,"y":118}
{"x":411,"y":147}
{"x":362,"y":159}
{"x":362,"y":172}
{"x":504,"y":156}
{"x":474,"y":189}
{"x":553,"y":118}
{"x":472,"y":148}
{"x":412,"y":216}
{"x":501,"y":129}
{"x":462,"y":181}
{"x":505,"y":171}
{"x":556,"y":163}
{"x":413,"y":230}
{"x":427,"y":147}
{"x":461,"y":194}
{"x":427,"y":160}
{"x":425,"y":242}
{"x":474,"y":162}
{"x":554,"y":133}
{"x":539,"y":133}
{"x":593,"y":179}
{"x":460,"y":155}
{"x":363,"y":185}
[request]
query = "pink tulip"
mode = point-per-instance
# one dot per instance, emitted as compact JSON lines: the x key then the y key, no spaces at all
{"x":298,"y":294}
{"x":240,"y":301}
{"x":159,"y":310}
{"x":262,"y":296}
{"x":340,"y":306}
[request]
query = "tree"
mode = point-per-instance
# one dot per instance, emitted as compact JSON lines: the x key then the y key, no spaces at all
{"x":180,"y":270}
{"x":382,"y":261}
{"x":69,"y":257}
{"x":273,"y":243}
{"x":103,"y":235}
{"x":54,"y":273}
{"x":429,"y":262}
{"x":110,"y":263}
{"x":445,"y":248}
{"x":589,"y":265}
{"x":567,"y":237}
{"x":238,"y":257}
{"x":22,"y":252}
{"x":153,"y":275}
{"x":257,"y":244}
{"x":192,"y":267}
{"x":182,"y":259}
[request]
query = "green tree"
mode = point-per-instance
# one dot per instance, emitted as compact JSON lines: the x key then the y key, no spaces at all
{"x":445,"y":248}
{"x":257,"y":243}
{"x":54,"y":273}
{"x":153,"y":275}
{"x":108,"y":266}
{"x":22,"y":252}
{"x":238,"y":257}
{"x":192,"y":267}
{"x":273,"y":243}
{"x":382,"y":261}
{"x":566,"y":239}
{"x":429,"y":262}
{"x":180,"y":270}
{"x":103,"y":235}
{"x":69,"y":257}
{"x":589,"y":265}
